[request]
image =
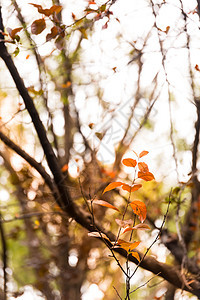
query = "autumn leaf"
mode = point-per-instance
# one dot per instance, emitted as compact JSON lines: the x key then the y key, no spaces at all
{"x":139,"y":208}
{"x":47,"y":11}
{"x":13,"y":32}
{"x":143,"y":153}
{"x":136,"y":255}
{"x":98,"y":235}
{"x":112,"y":186}
{"x":136,"y":227}
{"x":143,"y":167}
{"x":38,"y":26}
{"x":128,"y":246}
{"x":65,"y":168}
{"x":147,"y":176}
{"x":129,"y":162}
{"x":59,"y":43}
{"x":53,"y":34}
{"x":129,"y":188}
{"x":197,"y":67}
{"x":124,"y":223}
{"x":104,"y":203}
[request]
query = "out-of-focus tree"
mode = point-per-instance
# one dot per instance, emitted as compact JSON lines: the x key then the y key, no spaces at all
{"x":81,"y":86}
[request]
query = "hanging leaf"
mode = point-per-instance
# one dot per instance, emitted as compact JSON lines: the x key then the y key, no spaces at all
{"x":104,"y":203}
{"x":147,"y":176}
{"x":129,"y":188}
{"x":112,"y":186}
{"x":143,"y":153}
{"x":124,"y":223}
{"x":136,"y":187}
{"x":55,"y":9}
{"x":143,"y":167}
{"x":38,"y":26}
{"x":136,"y":227}
{"x":139,"y":208}
{"x":128,"y":246}
{"x":129,"y":162}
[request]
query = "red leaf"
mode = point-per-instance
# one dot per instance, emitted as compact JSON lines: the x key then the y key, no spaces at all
{"x":143,"y":153}
{"x":143,"y":167}
{"x":147,"y":176}
{"x":112,"y":186}
{"x":104,"y":203}
{"x":129,"y":162}
{"x":38,"y":26}
{"x":139,"y":208}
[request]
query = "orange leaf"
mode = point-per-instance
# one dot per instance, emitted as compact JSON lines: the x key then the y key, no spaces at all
{"x":143,"y":167}
{"x":135,"y":153}
{"x":139,"y":208}
{"x":104,"y":203}
{"x":129,"y":189}
{"x":13,"y":32}
{"x":129,"y":162}
{"x":55,"y":9}
{"x":65,"y":168}
{"x":143,"y":153}
{"x":127,"y":245}
{"x":147,"y":176}
{"x":124,"y":223}
{"x":112,"y":186}
{"x":136,"y":255}
{"x":38,"y":26}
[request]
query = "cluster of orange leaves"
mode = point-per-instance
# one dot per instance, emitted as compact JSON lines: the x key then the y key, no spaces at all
{"x":139,"y":208}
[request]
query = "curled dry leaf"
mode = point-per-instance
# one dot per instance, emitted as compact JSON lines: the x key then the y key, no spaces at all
{"x":104,"y":203}
{"x":143,"y":153}
{"x":112,"y":186}
{"x":139,"y":208}
{"x":129,"y":162}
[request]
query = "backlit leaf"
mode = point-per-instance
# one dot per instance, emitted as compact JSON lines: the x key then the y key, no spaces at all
{"x":38,"y":26}
{"x":129,"y":162}
{"x":65,"y":168}
{"x":139,"y":208}
{"x":136,"y":227}
{"x":124,"y":223}
{"x":143,"y":167}
{"x":112,"y":186}
{"x":129,"y":189}
{"x":98,"y":235}
{"x":128,"y":246}
{"x":143,"y":153}
{"x":104,"y":203}
{"x":147,"y":176}
{"x":136,"y":255}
